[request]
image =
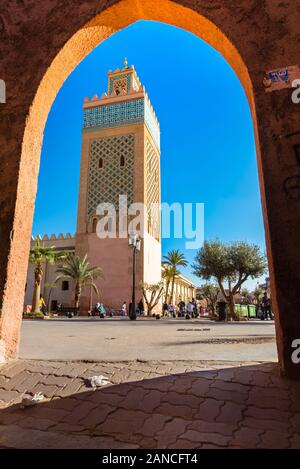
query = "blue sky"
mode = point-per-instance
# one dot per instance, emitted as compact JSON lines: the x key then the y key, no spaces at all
{"x":207,"y":141}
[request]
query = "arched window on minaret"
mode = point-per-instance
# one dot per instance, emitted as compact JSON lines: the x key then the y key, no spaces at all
{"x":100,"y":163}
{"x":122,"y":160}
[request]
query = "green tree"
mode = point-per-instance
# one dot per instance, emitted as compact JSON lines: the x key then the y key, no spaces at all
{"x":175,"y":259}
{"x":231,"y":263}
{"x":152,"y":294}
{"x":210,"y":293}
{"x":258,"y":295}
{"x":168,"y":274}
{"x":79,"y":270}
{"x":247,"y":296}
{"x":39,"y":256}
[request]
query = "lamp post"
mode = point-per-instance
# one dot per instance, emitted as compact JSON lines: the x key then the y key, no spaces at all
{"x":135,"y":243}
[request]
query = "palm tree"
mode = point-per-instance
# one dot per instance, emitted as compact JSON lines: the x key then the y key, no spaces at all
{"x":167,"y":275}
{"x":50,"y":286}
{"x":81,"y":273}
{"x":175,"y":259}
{"x":39,"y":256}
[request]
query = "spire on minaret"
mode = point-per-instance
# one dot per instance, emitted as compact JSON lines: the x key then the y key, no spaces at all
{"x":125,"y":63}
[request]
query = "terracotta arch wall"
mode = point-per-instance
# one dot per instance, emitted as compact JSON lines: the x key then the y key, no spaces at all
{"x":44,"y":44}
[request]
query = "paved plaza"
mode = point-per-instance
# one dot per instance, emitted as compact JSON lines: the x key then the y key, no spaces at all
{"x":147,"y":339}
{"x":172,"y":384}
{"x":149,"y":405}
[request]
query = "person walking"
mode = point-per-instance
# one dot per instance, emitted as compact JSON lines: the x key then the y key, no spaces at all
{"x":42,"y":305}
{"x":165,"y":309}
{"x":181,"y":308}
{"x":96,"y":309}
{"x":195,"y":313}
{"x":124,"y":309}
{"x":140,"y":307}
{"x":265,"y":308}
{"x":221,"y":307}
{"x":268,"y":309}
{"x":102,"y":310}
{"x":172,"y":311}
{"x":190,"y":310}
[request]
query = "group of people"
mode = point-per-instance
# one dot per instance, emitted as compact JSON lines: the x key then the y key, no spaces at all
{"x":100,"y":309}
{"x":265,"y":308}
{"x":190,"y":310}
{"x":139,"y":308}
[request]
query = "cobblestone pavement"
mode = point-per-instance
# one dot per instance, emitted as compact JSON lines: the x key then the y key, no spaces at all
{"x":181,"y":404}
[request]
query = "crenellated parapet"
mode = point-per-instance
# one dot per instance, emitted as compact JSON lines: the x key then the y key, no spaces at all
{"x":53,"y":237}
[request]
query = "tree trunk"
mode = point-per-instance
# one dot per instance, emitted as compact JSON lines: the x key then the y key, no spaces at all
{"x":172,"y":289}
{"x":77,"y":296}
{"x":231,"y":305}
{"x":91,"y":299}
{"x":167,"y":291}
{"x":37,"y":289}
{"x":48,"y":302}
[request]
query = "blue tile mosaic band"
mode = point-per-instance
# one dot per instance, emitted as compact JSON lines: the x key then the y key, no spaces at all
{"x":118,"y":114}
{"x":112,"y":113}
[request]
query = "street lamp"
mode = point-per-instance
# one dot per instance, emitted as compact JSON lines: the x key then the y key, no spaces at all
{"x":135,"y":243}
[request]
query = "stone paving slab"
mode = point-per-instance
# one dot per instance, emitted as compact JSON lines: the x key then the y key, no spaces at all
{"x":180,"y":404}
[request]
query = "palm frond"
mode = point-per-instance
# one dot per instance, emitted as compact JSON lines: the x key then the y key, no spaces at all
{"x":79,"y":270}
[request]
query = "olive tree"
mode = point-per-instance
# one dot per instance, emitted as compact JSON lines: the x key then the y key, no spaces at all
{"x":210,"y":293}
{"x":152,"y":293}
{"x":230,"y":265}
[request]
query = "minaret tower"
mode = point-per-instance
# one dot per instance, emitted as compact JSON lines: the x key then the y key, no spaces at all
{"x":120,"y":156}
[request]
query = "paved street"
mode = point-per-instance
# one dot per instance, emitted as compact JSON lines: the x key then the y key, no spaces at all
{"x":149,"y":405}
{"x":147,"y":339}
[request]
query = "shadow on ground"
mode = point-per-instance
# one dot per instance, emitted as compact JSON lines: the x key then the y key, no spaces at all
{"x":149,"y":405}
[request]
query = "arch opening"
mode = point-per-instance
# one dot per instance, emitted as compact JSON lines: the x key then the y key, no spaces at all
{"x":100,"y":28}
{"x":91,"y":90}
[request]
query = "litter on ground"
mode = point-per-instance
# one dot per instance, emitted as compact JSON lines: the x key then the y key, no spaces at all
{"x":97,"y":381}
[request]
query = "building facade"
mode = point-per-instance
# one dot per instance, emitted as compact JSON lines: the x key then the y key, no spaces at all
{"x":62,"y":292}
{"x":120,"y":169}
{"x":53,"y":293}
{"x":120,"y":165}
{"x":184,"y":290}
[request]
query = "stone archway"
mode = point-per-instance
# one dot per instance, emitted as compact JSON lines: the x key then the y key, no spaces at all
{"x":44,"y":43}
